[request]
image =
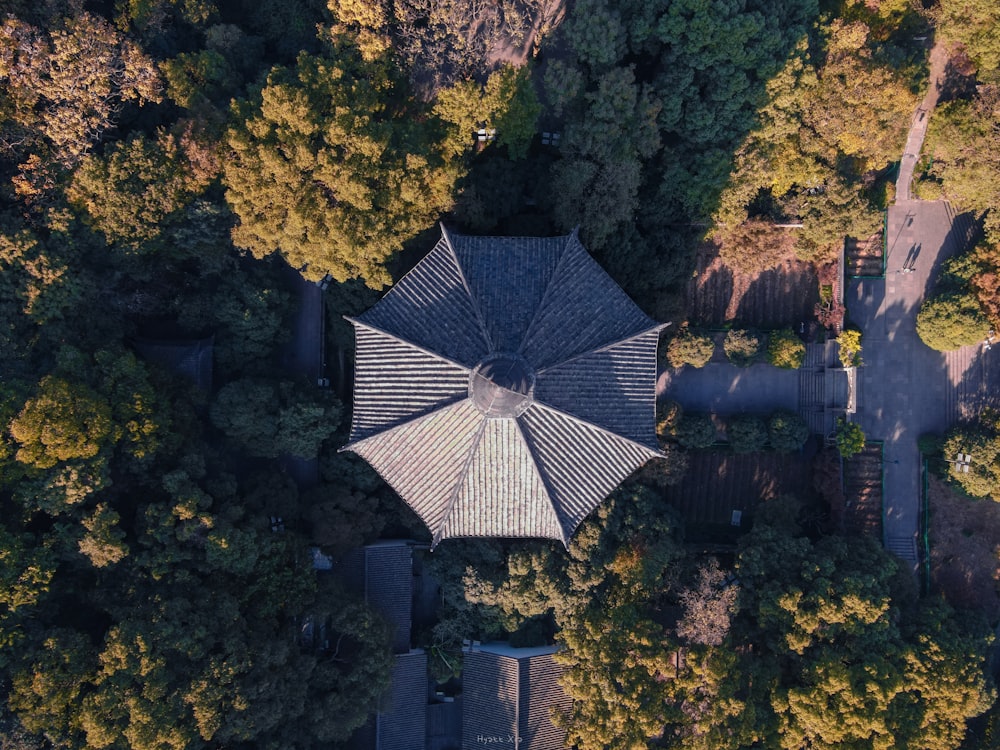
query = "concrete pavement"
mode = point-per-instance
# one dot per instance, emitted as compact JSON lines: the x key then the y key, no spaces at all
{"x":918,"y":126}
{"x":904,"y":388}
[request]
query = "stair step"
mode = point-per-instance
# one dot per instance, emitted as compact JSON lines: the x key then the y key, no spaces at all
{"x":904,"y":547}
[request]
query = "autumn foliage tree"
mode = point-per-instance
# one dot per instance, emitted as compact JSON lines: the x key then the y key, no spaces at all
{"x":332,"y":166}
{"x":65,"y":86}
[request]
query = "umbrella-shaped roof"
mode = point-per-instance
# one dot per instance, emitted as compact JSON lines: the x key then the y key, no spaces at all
{"x":505,"y":386}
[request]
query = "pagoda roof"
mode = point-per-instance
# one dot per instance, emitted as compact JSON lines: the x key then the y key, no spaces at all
{"x":505,"y":386}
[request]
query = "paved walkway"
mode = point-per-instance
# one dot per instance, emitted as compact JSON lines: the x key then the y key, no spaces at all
{"x":721,"y":388}
{"x":918,"y":126}
{"x":904,"y":388}
{"x":303,"y":357}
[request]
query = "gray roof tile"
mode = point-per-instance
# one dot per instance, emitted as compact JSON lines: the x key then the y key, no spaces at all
{"x":425,"y":459}
{"x":504,"y":497}
{"x":431,"y":307}
{"x":581,"y":463}
{"x":508,"y":276}
{"x":582,"y":309}
{"x":613,"y":387}
{"x":396,"y":381}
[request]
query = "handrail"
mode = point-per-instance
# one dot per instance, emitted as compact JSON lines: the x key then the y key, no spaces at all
{"x":925,"y":529}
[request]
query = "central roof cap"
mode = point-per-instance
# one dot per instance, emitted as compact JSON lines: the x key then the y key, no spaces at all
{"x":502,"y":385}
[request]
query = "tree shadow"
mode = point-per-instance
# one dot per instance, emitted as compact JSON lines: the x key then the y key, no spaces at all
{"x":959,"y":80}
{"x":965,"y":231}
{"x":709,"y":291}
{"x":781,"y":297}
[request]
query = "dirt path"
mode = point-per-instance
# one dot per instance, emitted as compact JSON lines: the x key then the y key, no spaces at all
{"x":918,"y":127}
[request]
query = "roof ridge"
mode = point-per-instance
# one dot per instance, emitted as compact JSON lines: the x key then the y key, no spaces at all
{"x":446,"y":236}
{"x":610,"y":433}
{"x":462,"y":476}
{"x":548,"y":288}
{"x":405,"y":423}
{"x":603,"y":347}
{"x":406,"y":342}
{"x":543,"y":480}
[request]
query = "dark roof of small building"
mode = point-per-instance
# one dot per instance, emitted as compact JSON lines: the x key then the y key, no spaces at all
{"x":189,"y":358}
{"x":400,"y":721}
{"x":510,"y":693}
{"x":403,"y":716}
{"x":382,"y":573}
{"x":505,"y":386}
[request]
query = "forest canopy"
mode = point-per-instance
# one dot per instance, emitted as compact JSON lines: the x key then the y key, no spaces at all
{"x":171,"y":171}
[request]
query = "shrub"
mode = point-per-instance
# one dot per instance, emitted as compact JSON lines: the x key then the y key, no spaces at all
{"x":747,"y":434}
{"x":830,"y":314}
{"x":949,"y":322}
{"x":695,"y":431}
{"x":849,"y":343}
{"x":786,"y":431}
{"x":786,"y":350}
{"x":850,"y":438}
{"x":689,"y":348}
{"x":668,"y":415}
{"x":980,"y":477}
{"x":742,"y":347}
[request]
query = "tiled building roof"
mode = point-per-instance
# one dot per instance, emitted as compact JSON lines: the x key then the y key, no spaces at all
{"x":189,"y":358}
{"x":508,"y":698}
{"x":382,"y":573}
{"x":505,"y":386}
{"x":400,"y":720}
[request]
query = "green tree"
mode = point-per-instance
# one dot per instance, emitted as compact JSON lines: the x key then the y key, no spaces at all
{"x":690,"y":348}
{"x":596,"y":183}
{"x":951,"y":321}
{"x":26,"y":572}
{"x":964,"y":148}
{"x":747,"y":434}
{"x":981,"y":441}
{"x":325,"y":167}
{"x":66,"y":85}
{"x":506,"y":103}
{"x":63,"y":421}
{"x":785,"y":349}
{"x":104,"y":541}
{"x":850,"y":438}
{"x":754,"y":246}
{"x":131,"y":192}
{"x":851,"y":657}
{"x":270,"y":419}
{"x":973,"y":24}
{"x":743,"y":347}
{"x":695,"y":431}
{"x":197,"y":79}
{"x":37,"y":279}
{"x":786,"y":432}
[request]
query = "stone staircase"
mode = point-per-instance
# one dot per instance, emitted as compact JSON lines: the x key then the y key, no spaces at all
{"x":822,"y":388}
{"x":812,"y":388}
{"x":903,"y":547}
{"x":956,"y":362}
